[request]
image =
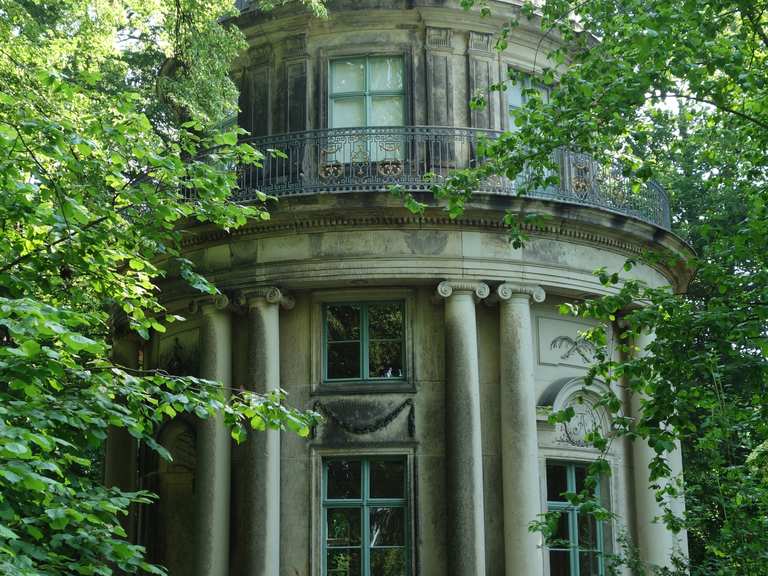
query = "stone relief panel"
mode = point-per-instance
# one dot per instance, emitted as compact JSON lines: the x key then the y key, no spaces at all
{"x":350,"y":420}
{"x":588,"y":416}
{"x":561,"y":342}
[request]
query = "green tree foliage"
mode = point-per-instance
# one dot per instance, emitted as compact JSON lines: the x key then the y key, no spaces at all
{"x":110,"y":139}
{"x":676,"y":91}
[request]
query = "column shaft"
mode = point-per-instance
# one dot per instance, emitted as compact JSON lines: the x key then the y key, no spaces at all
{"x":656,"y":543}
{"x":463,"y":434}
{"x":262,"y":450}
{"x":519,"y":440}
{"x":121,"y":453}
{"x":212,"y":476}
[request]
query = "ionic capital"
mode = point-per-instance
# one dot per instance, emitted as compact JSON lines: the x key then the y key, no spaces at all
{"x":208,"y":304}
{"x":270,"y":294}
{"x":509,"y":290}
{"x":448,"y":287}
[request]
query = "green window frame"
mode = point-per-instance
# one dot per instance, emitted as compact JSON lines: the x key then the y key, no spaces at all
{"x":517,"y":91}
{"x":366,"y":552}
{"x":368,"y":93}
{"x":581,"y":558}
{"x":366,"y":341}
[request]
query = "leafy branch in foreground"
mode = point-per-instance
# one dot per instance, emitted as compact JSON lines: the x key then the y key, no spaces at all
{"x":99,"y":177}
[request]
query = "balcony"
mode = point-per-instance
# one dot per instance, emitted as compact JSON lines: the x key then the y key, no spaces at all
{"x":413,"y":157}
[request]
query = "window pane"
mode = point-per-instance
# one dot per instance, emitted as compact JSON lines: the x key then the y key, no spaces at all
{"x":559,"y":563}
{"x":348,"y":75}
{"x":515,"y":95}
{"x":343,"y":322}
{"x":386,"y":111}
{"x":348,"y":112}
{"x":343,"y":479}
{"x":387,"y":527}
{"x":557,"y":481}
{"x":343,"y":360}
{"x":587,"y":532}
{"x":386,"y":360}
{"x":589,"y":564}
{"x":386,"y":74}
{"x":343,"y":527}
{"x":561,"y":538}
{"x":343,"y":563}
{"x":581,"y":476}
{"x":388,"y":562}
{"x":388,"y":479}
{"x":385,"y":321}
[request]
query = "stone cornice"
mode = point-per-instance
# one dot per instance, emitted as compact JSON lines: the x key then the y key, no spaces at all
{"x":595,"y":228}
{"x":327,"y":221}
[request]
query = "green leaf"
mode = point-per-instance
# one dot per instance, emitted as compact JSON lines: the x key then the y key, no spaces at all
{"x":77,"y":342}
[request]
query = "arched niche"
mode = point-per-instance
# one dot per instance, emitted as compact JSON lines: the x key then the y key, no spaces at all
{"x":584,"y":399}
{"x":170,"y":521}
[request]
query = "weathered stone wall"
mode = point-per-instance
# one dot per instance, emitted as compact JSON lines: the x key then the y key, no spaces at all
{"x":348,"y":247}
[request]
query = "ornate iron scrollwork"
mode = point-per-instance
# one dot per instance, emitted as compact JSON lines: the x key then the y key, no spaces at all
{"x":372,"y":158}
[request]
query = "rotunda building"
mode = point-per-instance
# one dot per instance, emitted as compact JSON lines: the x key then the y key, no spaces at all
{"x":431,"y":345}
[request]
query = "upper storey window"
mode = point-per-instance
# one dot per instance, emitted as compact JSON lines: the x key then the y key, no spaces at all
{"x":367,"y":91}
{"x":364,"y":341}
{"x":519,"y":90}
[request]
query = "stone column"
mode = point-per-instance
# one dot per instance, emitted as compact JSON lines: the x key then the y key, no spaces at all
{"x":262,"y":449}
{"x":212,"y":475}
{"x":656,"y":543}
{"x":121,"y":453}
{"x":519,"y":440}
{"x":466,"y":533}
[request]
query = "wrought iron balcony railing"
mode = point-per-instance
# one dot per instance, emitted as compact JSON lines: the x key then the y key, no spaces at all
{"x":413,"y":157}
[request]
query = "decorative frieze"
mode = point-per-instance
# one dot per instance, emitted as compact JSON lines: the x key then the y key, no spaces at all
{"x":258,"y":55}
{"x":351,"y":426}
{"x":480,"y":42}
{"x":439,"y":38}
{"x":295,"y":45}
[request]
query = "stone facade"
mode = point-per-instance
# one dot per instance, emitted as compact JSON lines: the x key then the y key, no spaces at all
{"x":485,"y":353}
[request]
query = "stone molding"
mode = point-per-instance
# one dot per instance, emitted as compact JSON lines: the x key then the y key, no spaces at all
{"x":447,"y":287}
{"x":509,"y":289}
{"x":271,"y":294}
